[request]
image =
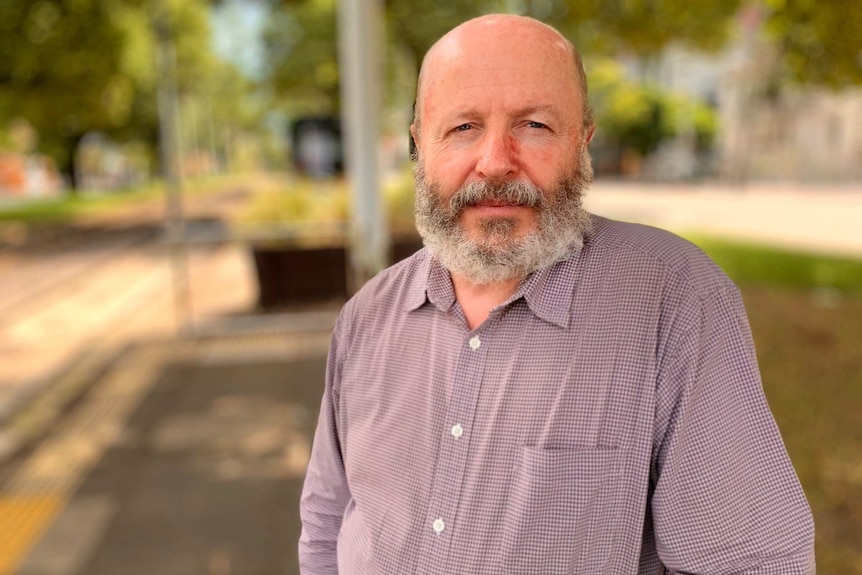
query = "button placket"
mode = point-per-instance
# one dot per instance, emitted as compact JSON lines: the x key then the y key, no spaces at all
{"x":452,"y":456}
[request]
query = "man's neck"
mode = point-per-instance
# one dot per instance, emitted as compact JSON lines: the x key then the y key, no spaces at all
{"x":477,"y":301}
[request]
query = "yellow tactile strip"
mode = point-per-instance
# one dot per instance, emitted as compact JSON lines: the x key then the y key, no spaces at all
{"x":41,"y":486}
{"x":22,"y":521}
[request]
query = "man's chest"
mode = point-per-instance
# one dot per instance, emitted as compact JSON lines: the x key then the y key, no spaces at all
{"x":517,"y":381}
{"x":489,"y":431}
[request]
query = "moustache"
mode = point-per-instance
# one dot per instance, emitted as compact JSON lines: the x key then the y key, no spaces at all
{"x":513,"y":193}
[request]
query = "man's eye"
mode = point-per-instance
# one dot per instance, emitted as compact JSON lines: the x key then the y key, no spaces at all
{"x":463,"y":128}
{"x":537,"y":125}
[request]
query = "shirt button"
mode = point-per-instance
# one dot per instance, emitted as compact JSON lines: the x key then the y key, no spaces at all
{"x":438,"y":526}
{"x":457,"y":430}
{"x":475,"y":342}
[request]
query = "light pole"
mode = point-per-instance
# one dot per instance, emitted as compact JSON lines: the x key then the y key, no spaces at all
{"x":359,"y":26}
{"x":169,"y":154}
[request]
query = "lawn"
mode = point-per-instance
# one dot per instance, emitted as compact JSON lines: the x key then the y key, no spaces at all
{"x":806,"y":317}
{"x":66,"y":208}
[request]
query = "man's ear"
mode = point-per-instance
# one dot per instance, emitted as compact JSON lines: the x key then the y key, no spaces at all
{"x":414,"y":151}
{"x":590,"y":134}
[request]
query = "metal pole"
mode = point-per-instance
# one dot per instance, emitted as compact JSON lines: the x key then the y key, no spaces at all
{"x":169,"y":148}
{"x":359,"y":64}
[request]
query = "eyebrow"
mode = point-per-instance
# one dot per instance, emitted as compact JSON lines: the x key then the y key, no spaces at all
{"x":519,"y":112}
{"x":527,"y":110}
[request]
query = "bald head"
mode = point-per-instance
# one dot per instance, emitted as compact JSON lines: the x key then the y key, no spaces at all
{"x":501,"y":160}
{"x":505,"y":36}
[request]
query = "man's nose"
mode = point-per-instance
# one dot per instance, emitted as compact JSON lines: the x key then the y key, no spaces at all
{"x":497,"y":159}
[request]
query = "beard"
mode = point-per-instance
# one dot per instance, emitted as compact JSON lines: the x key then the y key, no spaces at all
{"x":498,"y":253}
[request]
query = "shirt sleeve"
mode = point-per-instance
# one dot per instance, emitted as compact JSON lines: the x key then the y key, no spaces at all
{"x":325,"y":493}
{"x":726,"y":497}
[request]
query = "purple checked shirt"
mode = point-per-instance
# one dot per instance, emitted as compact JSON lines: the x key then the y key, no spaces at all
{"x":607,"y":419}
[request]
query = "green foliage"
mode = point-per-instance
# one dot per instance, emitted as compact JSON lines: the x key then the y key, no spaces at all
{"x":311,"y":210}
{"x":60,"y":69}
{"x":641,"y":27}
{"x":687,"y":113}
{"x":400,"y":199}
{"x":819,"y":40}
{"x":64,"y":209}
{"x":301,"y":40}
{"x":302,"y":45}
{"x":67,"y":209}
{"x":305,"y":202}
{"x":70,"y":67}
{"x":639,"y":116}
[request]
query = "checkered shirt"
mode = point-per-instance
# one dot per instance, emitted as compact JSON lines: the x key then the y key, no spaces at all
{"x":607,"y":419}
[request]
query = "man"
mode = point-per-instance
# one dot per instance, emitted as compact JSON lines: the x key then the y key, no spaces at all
{"x":540,"y":391}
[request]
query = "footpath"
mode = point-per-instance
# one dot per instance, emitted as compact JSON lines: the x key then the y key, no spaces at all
{"x":184,"y":457}
{"x":821,"y":218}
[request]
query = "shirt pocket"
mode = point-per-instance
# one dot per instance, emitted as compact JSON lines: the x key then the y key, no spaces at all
{"x":550,"y":525}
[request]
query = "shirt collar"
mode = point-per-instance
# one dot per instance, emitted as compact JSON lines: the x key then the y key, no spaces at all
{"x":431,"y":283}
{"x":548,"y":292}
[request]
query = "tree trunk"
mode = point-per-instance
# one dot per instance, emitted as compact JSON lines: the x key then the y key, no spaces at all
{"x":68,"y":166}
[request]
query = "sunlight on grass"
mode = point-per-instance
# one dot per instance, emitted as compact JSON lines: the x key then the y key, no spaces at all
{"x":750,"y":264}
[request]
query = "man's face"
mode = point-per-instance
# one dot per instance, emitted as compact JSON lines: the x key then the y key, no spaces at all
{"x":502,"y":153}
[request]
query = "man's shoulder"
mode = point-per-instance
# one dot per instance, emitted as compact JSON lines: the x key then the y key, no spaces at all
{"x":642,"y":248}
{"x":396,"y":288}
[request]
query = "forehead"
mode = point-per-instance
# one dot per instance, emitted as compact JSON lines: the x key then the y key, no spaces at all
{"x":510,"y":67}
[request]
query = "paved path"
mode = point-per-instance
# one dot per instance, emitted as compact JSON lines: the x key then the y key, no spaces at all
{"x":824,"y":219}
{"x":185,"y":457}
{"x":111,"y":300}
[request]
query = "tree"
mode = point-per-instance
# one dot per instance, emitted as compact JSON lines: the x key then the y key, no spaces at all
{"x":819,"y":41}
{"x":302,"y":36}
{"x":60,"y":69}
{"x":639,"y":117}
{"x":70,"y":67}
{"x":642,"y":27}
{"x":301,"y":40}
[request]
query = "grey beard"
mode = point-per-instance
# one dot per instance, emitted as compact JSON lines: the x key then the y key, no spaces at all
{"x":496,"y":256}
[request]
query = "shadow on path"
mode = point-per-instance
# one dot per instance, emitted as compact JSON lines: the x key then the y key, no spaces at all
{"x":202,"y":475}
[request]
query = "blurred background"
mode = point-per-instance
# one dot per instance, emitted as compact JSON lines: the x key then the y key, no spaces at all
{"x":190,"y":189}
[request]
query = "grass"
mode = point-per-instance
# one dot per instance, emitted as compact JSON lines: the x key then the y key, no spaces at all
{"x":65,"y":208}
{"x":810,"y":353}
{"x":754,"y":265}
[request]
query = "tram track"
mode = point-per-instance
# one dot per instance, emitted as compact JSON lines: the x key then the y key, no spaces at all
{"x":32,"y":279}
